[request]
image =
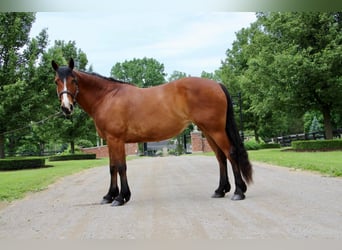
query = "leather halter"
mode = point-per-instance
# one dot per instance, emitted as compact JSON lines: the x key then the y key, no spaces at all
{"x":69,"y":93}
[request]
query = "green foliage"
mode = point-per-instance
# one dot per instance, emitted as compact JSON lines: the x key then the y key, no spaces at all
{"x":145,"y":72}
{"x":252,"y":145}
{"x":213,"y":76}
{"x":269,"y":145}
{"x":72,"y":157}
{"x":21,"y":163}
{"x":285,"y":64}
{"x":84,"y":143}
{"x":317,"y":145}
{"x":18,"y":56}
{"x":177,"y":75}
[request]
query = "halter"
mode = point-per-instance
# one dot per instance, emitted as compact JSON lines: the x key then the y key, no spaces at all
{"x":69,"y":93}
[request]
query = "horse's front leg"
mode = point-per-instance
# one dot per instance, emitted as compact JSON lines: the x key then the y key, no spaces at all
{"x":113,"y":187}
{"x":117,"y":164}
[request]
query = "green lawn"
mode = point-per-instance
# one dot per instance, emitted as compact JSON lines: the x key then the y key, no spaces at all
{"x":329,"y":163}
{"x":15,"y":184}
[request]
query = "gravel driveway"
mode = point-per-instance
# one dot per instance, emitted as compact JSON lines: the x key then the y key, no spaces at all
{"x":171,"y":199}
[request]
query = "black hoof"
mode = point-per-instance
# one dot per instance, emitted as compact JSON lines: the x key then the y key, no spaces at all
{"x":238,"y":197}
{"x":106,"y":201}
{"x":218,"y":195}
{"x":118,"y":201}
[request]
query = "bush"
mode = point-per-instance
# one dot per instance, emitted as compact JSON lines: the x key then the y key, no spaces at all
{"x":72,"y":157}
{"x":252,"y":145}
{"x":21,"y":163}
{"x":270,"y":145}
{"x":319,"y":145}
{"x":84,"y":143}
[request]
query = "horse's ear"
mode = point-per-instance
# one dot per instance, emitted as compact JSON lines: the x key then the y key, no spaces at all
{"x":71,"y":64}
{"x":54,"y":65}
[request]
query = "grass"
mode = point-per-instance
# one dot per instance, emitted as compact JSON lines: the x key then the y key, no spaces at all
{"x":15,"y":184}
{"x":328,"y":163}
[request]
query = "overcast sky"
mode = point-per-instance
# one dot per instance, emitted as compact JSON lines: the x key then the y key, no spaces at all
{"x":185,"y":41}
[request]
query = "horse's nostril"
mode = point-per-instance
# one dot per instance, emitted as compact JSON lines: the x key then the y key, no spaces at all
{"x":71,"y":107}
{"x":66,"y":110}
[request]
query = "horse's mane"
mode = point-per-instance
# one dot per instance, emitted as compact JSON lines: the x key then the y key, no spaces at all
{"x":111,"y":79}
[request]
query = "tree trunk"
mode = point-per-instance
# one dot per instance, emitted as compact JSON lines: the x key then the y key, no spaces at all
{"x":2,"y":146}
{"x":256,"y":135}
{"x":11,"y":146}
{"x":72,"y":147}
{"x":327,"y":123}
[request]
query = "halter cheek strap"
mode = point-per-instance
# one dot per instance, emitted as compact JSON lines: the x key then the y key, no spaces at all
{"x":69,"y":93}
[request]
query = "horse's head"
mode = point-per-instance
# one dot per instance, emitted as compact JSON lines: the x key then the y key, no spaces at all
{"x":67,"y":88}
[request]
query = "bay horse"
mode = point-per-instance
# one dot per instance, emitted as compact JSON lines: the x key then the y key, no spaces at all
{"x":124,"y":113}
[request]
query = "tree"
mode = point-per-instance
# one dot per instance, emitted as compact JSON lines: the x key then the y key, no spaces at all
{"x":62,"y":129}
{"x":213,"y":76}
{"x":144,"y":72}
{"x":177,"y":75}
{"x":18,"y":56}
{"x":287,"y":64}
{"x":308,"y":60}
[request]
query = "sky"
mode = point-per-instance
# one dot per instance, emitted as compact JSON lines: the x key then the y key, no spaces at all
{"x":189,"y":42}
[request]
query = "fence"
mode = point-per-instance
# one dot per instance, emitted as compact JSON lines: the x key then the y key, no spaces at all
{"x":286,"y":140}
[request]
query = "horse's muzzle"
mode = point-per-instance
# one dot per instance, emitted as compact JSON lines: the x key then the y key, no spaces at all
{"x":67,"y":111}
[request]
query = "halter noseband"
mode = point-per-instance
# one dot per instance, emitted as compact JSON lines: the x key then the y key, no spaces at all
{"x":69,"y":93}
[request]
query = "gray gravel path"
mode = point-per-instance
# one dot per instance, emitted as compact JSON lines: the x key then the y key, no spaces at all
{"x":171,"y":200}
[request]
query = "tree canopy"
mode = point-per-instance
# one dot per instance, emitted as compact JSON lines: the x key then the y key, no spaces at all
{"x":287,"y":64}
{"x":143,"y":72}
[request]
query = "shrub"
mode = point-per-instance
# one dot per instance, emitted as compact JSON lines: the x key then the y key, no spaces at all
{"x":84,"y":143}
{"x":269,"y":145}
{"x":319,"y":145}
{"x":252,"y":145}
{"x":72,"y":157}
{"x":21,"y":163}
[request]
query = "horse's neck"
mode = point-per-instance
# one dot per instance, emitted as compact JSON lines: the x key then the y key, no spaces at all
{"x":91,"y":91}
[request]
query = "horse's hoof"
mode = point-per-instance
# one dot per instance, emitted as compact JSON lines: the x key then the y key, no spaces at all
{"x":118,"y":201}
{"x":238,"y":197}
{"x":105,"y":201}
{"x":218,"y":195}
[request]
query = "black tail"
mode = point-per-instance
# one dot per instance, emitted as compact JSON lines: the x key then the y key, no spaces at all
{"x":239,"y":153}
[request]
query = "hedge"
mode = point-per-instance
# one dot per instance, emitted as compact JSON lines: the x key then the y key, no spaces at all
{"x":21,"y":163}
{"x":317,"y":145}
{"x":72,"y":157}
{"x":253,"y":145}
{"x":270,"y":145}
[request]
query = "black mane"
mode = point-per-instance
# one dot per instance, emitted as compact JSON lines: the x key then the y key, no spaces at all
{"x":111,"y":79}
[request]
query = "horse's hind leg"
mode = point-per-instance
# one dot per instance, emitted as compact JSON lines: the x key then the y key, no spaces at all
{"x":222,"y":142}
{"x":224,"y":185}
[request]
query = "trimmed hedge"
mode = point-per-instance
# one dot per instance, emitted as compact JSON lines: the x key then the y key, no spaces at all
{"x":21,"y":163}
{"x":318,"y":145}
{"x":72,"y":157}
{"x":252,"y":145}
{"x":270,"y":145}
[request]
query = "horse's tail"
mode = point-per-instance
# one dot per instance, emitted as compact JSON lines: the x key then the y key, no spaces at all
{"x":238,"y":151}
